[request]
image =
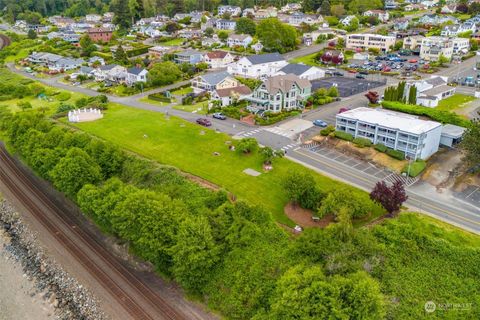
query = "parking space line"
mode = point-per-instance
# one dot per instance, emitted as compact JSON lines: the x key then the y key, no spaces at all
{"x":476,"y":189}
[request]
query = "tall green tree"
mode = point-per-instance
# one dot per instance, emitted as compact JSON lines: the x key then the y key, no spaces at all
{"x":195,"y":254}
{"x":471,"y":144}
{"x":87,"y":45}
{"x":246,"y":26}
{"x":276,"y":36}
{"x":74,"y":171}
{"x":301,"y":189}
{"x":123,"y":13}
{"x":120,"y":55}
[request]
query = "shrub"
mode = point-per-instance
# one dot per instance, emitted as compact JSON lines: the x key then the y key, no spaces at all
{"x":64,"y":96}
{"x":396,"y":154}
{"x":270,"y":118}
{"x":380,"y":147}
{"x":329,"y":129}
{"x":343,"y":135}
{"x":416,"y":168}
{"x":362,"y":142}
{"x":64,"y":107}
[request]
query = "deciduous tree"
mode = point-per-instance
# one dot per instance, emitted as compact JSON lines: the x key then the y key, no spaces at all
{"x":391,"y":198}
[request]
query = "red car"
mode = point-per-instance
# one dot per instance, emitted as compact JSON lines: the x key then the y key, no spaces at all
{"x":413,"y":61}
{"x":352,"y":70}
{"x":204,"y":122}
{"x":344,"y":109}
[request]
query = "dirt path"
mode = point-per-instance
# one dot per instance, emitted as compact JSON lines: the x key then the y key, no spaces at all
{"x":303,"y":217}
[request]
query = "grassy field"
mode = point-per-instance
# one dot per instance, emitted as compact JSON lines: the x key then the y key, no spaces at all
{"x":198,"y":107}
{"x":155,"y":102}
{"x":182,"y":144}
{"x":454,"y":102}
{"x":308,"y":60}
{"x":182,"y":91}
{"x":172,"y":43}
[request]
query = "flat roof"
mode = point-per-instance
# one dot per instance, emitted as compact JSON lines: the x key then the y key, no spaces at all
{"x":390,"y":119}
{"x":453,"y":131}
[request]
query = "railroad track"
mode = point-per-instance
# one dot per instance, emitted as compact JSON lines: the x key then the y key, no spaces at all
{"x":64,"y":228}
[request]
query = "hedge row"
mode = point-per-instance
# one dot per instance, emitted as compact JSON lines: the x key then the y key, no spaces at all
{"x":396,"y":154}
{"x":380,"y":147}
{"x":137,"y":51}
{"x":343,"y":135}
{"x":362,"y":142}
{"x":416,"y":168}
{"x":432,"y":113}
{"x":159,"y":97}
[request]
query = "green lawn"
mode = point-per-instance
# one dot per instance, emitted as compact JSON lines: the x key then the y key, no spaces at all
{"x":182,"y":91}
{"x":172,"y":43}
{"x":155,"y":102}
{"x":199,"y":107}
{"x":454,"y":102}
{"x":181,"y":144}
{"x":308,"y":60}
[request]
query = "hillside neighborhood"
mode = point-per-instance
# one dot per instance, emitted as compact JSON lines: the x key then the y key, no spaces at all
{"x":272,"y":147}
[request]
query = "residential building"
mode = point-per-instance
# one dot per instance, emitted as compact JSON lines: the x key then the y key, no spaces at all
{"x":401,"y":24}
{"x":188,"y":56}
{"x":280,"y":93}
{"x":234,"y":11}
{"x":456,"y":29}
{"x":227,"y":96}
{"x":366,"y":41}
{"x":310,"y":38}
{"x":436,"y":19}
{"x":346,"y":20}
{"x":239,"y":40}
{"x":100,"y":34}
{"x":112,"y":73}
{"x":302,"y":71}
{"x":136,"y":75}
{"x":65,"y":64}
{"x":297,"y":18}
{"x":44,"y":58}
{"x":449,"y":9}
{"x":257,"y":47}
{"x":213,"y":81}
{"x":291,"y":7}
{"x":270,"y":12}
{"x":413,"y":43}
{"x":158,"y":51}
{"x":96,"y":60}
{"x":381,"y":15}
{"x":223,"y":24}
{"x":418,"y":139}
{"x":414,"y":7}
{"x":258,"y":66}
{"x":390,"y":5}
{"x":93,"y":18}
{"x":430,"y":91}
{"x":461,"y":45}
{"x":432,"y":48}
{"x":218,"y":59}
{"x":451,"y":135}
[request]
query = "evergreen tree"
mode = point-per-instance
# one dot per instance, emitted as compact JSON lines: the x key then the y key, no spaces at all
{"x":120,"y":55}
{"x":122,"y":12}
{"x":31,"y":34}
{"x":325,"y":8}
{"x":412,"y":97}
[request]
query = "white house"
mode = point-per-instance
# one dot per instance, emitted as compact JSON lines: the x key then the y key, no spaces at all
{"x":213,"y":81}
{"x":223,"y":24}
{"x":302,"y":71}
{"x":234,"y":11}
{"x":430,"y":91}
{"x":346,"y":21}
{"x":258,"y":66}
{"x":218,"y":59}
{"x":136,"y":75}
{"x":111,"y":72}
{"x":239,"y":40}
{"x":297,"y":18}
{"x":93,"y":18}
{"x":227,"y":96}
{"x":418,"y":139}
{"x":381,"y":15}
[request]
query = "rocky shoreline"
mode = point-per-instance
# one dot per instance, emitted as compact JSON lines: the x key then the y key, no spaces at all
{"x":69,"y":299}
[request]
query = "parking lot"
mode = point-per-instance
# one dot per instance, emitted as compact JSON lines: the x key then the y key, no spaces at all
{"x":471,"y":195}
{"x":375,"y":171}
{"x":347,"y":86}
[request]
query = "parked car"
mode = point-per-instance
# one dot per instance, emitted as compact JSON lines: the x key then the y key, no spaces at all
{"x":413,"y":60}
{"x":343,"y":109}
{"x":338,"y":74}
{"x":360,"y":76}
{"x":364,"y":72}
{"x":204,"y":122}
{"x":219,"y":115}
{"x":320,"y":123}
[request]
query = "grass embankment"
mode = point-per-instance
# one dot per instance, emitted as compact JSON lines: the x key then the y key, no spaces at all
{"x":454,"y":102}
{"x":181,"y":144}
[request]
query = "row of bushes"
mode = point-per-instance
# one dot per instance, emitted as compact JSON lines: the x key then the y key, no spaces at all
{"x":434,"y":114}
{"x":159,"y":97}
{"x":271,"y":118}
{"x":137,"y":51}
{"x":364,"y":142}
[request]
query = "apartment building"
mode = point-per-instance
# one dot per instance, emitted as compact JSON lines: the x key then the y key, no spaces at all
{"x":419,"y":139}
{"x":461,"y":45}
{"x":366,"y":41}
{"x":432,"y":48}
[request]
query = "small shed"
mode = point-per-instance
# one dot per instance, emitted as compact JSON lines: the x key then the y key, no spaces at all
{"x":451,"y":135}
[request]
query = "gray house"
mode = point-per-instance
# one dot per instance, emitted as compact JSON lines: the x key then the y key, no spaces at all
{"x":188,"y":56}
